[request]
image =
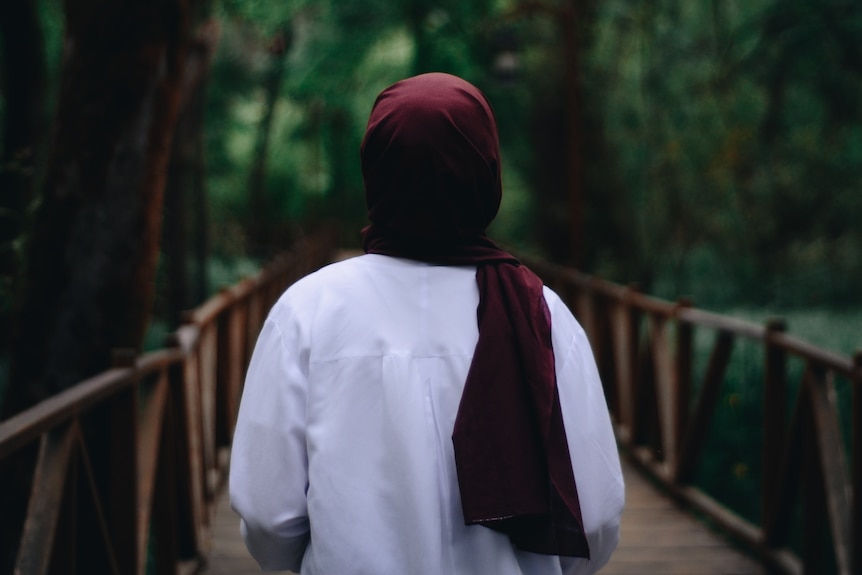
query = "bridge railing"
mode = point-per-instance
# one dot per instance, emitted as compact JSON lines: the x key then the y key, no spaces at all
{"x":119,"y":473}
{"x":645,"y":349}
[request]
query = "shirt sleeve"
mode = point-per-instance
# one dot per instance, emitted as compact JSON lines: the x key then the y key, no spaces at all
{"x":269,"y":461}
{"x":592,"y":445}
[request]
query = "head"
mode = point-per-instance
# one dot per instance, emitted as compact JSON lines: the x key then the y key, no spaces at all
{"x":431,"y":160}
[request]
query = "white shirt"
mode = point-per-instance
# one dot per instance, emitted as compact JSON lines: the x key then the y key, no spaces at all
{"x":342,"y":459}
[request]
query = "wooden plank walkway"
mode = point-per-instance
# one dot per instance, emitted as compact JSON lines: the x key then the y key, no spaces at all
{"x":657,"y":539}
{"x":228,"y":555}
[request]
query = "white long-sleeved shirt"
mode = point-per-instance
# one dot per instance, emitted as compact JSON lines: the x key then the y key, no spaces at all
{"x":342,"y":459}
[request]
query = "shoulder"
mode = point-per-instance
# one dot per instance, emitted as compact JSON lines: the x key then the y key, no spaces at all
{"x":303,"y":296}
{"x":346,"y":284}
{"x":329,"y":274}
{"x":334,"y":276}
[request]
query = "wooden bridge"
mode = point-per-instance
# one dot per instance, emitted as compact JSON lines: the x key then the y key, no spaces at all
{"x":148,"y":496}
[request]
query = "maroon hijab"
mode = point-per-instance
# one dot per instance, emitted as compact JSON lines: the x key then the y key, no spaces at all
{"x":431,"y":164}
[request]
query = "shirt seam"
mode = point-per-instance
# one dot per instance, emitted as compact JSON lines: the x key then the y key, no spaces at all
{"x":390,"y":354}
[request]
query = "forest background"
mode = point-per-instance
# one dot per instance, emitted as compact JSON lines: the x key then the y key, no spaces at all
{"x":153,"y":151}
{"x":710,"y":149}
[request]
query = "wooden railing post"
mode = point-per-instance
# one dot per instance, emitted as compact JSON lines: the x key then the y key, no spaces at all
{"x":682,"y":373}
{"x":662,"y":366}
{"x":814,"y":517}
{"x":624,"y":328}
{"x":594,"y":314}
{"x":205,"y":360}
{"x":127,"y":458}
{"x":225,"y":371}
{"x":44,"y":507}
{"x":186,"y":491}
{"x":695,"y":437}
{"x":166,"y":509}
{"x":856,"y":455}
{"x":124,"y":459}
{"x":774,"y":420}
{"x":231,"y":367}
{"x":124,"y":474}
{"x":191,"y":493}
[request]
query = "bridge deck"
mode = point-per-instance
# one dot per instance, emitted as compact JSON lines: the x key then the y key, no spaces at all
{"x":657,"y":539}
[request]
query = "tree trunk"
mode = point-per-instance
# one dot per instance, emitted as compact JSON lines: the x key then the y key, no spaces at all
{"x":573,"y":42}
{"x":185,"y":197}
{"x":260,"y":220}
{"x":22,"y":78}
{"x":92,"y":253}
{"x":417,"y":14}
{"x":346,"y":203}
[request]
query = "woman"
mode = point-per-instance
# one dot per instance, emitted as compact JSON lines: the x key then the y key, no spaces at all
{"x":428,"y":407}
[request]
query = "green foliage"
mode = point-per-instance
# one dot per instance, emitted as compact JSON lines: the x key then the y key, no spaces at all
{"x":721,"y":141}
{"x":52,"y":29}
{"x":722,"y":150}
{"x":156,"y":336}
{"x":340,"y":55}
{"x":732,"y":133}
{"x":225,"y":273}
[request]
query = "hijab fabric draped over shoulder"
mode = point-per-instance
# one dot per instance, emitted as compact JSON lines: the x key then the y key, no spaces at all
{"x":431,"y":167}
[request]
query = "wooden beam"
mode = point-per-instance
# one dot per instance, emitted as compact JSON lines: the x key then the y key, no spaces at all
{"x":207,"y":358}
{"x":833,"y":467}
{"x":778,"y":516}
{"x":774,"y":419}
{"x":682,"y":374}
{"x":187,"y":392}
{"x":153,"y":399}
{"x":814,"y":518}
{"x":705,"y":407}
{"x":58,"y":409}
{"x":165,"y":509}
{"x":856,"y":458}
{"x":46,"y":498}
{"x":122,"y":494}
{"x":665,"y":386}
{"x":98,"y":509}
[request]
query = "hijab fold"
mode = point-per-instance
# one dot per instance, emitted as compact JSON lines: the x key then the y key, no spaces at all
{"x":430,"y":161}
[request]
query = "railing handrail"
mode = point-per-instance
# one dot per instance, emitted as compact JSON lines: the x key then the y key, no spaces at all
{"x":188,"y":393}
{"x":171,"y":413}
{"x":32,"y":423}
{"x":647,"y":372}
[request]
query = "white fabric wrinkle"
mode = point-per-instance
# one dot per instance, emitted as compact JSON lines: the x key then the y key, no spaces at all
{"x":346,"y":420}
